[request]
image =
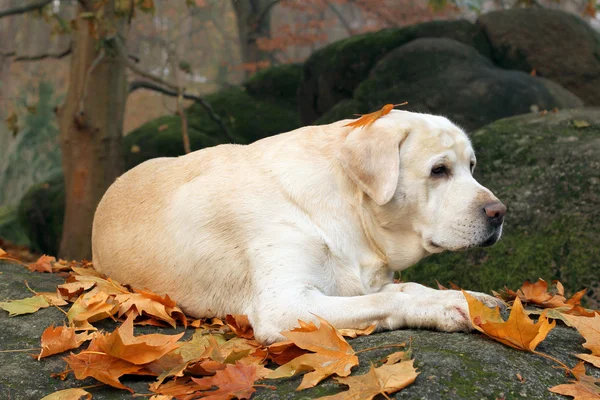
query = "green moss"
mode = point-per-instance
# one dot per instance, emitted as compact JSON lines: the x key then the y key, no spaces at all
{"x":41,"y":213}
{"x":546,"y":172}
{"x":247,"y":118}
{"x":10,"y":228}
{"x":278,"y":83}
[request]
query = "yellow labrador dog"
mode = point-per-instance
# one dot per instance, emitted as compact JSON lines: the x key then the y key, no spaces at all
{"x":309,"y":222}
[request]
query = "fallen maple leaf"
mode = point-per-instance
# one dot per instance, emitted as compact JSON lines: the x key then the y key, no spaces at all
{"x":90,"y":307}
{"x":24,"y":306}
{"x":519,"y":331}
{"x":43,"y":264}
{"x":240,"y":325}
{"x":537,"y":293}
{"x":59,"y":339}
{"x":354,"y":333}
{"x":584,"y":388}
{"x":332,"y":354}
{"x":137,"y":350}
{"x":146,"y":302}
{"x":96,"y":364}
{"x":368,"y":119}
{"x":235,"y":381}
{"x":589,"y":328}
{"x":384,"y":380}
{"x":68,"y":394}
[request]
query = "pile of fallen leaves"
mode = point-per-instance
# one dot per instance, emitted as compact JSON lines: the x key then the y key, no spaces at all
{"x":222,"y":360}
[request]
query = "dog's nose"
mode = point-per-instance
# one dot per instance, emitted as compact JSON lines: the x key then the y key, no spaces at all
{"x":495,"y":213}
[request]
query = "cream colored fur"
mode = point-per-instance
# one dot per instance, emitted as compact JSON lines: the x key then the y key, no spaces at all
{"x":309,"y":222}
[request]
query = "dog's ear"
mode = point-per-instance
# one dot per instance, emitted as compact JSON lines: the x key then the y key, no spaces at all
{"x":371,"y":156}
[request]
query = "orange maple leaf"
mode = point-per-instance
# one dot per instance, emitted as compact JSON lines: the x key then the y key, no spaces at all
{"x":519,"y":331}
{"x":149,"y":303}
{"x":235,"y":381}
{"x":96,"y":364}
{"x":240,"y":325}
{"x":59,"y":339}
{"x":584,"y":388}
{"x":368,"y":119}
{"x":332,"y":354}
{"x":137,"y":350}
{"x":589,"y":328}
{"x":384,"y":380}
{"x":537,"y":293}
{"x":354,"y":333}
{"x":43,"y":264}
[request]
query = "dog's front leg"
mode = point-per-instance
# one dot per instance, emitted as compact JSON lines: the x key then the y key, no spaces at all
{"x":388,"y":310}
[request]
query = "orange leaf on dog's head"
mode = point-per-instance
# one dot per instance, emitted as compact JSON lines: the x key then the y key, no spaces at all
{"x":368,"y":119}
{"x":519,"y":331}
{"x":332,"y":354}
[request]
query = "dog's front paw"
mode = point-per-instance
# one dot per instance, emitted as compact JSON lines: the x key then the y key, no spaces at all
{"x":453,"y":317}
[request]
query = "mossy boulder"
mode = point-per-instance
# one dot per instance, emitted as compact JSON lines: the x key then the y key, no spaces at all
{"x":248,"y":119}
{"x":10,"y":227}
{"x":332,"y":73}
{"x":546,"y":168}
{"x":279,"y":83}
{"x":443,"y":76}
{"x":451,"y":365}
{"x":559,"y":46}
{"x":41,"y":214}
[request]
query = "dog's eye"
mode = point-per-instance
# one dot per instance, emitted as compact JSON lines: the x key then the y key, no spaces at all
{"x":472,"y":166}
{"x":438,"y":171}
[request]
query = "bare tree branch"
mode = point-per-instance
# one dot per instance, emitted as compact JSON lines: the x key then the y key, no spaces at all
{"x":340,"y":17}
{"x":23,"y":9}
{"x":265,"y":12}
{"x":135,"y":85}
{"x":42,"y":56}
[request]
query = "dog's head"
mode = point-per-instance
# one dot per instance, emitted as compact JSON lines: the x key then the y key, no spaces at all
{"x":417,"y":170}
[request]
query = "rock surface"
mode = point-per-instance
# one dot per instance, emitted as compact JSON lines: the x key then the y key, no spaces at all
{"x":332,"y":73}
{"x":443,"y":76}
{"x":452,"y":366}
{"x":546,"y":169}
{"x":558,"y":46}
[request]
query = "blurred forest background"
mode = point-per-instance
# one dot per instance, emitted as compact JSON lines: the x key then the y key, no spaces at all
{"x":90,"y":88}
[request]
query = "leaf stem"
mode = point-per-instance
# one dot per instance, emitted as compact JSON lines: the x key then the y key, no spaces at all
{"x":380,"y":347}
{"x":549,"y":357}
{"x":19,"y":350}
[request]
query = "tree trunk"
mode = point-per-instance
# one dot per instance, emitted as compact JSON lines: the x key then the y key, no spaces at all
{"x":91,"y":128}
{"x":253,"y":22}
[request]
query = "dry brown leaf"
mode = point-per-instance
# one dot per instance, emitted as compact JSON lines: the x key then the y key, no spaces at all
{"x":43,"y":264}
{"x":96,"y":364}
{"x":368,"y":119}
{"x":178,"y":388}
{"x":137,"y":350}
{"x":60,"y":339}
{"x":589,"y":328}
{"x":233,"y":382}
{"x":384,"y":380}
{"x":68,"y":394}
{"x":332,"y":354}
{"x":240,"y":325}
{"x":283,"y":352}
{"x":148,"y":303}
{"x":354,"y":333}
{"x":537,"y":293}
{"x":586,"y":387}
{"x":519,"y":331}
{"x":90,"y":307}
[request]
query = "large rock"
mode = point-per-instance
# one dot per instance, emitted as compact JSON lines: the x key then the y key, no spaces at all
{"x":279,"y":83}
{"x":443,"y":76}
{"x":248,"y":119}
{"x":545,"y":168}
{"x":559,"y":46}
{"x":41,"y":214}
{"x":332,"y":73}
{"x":452,"y":366}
